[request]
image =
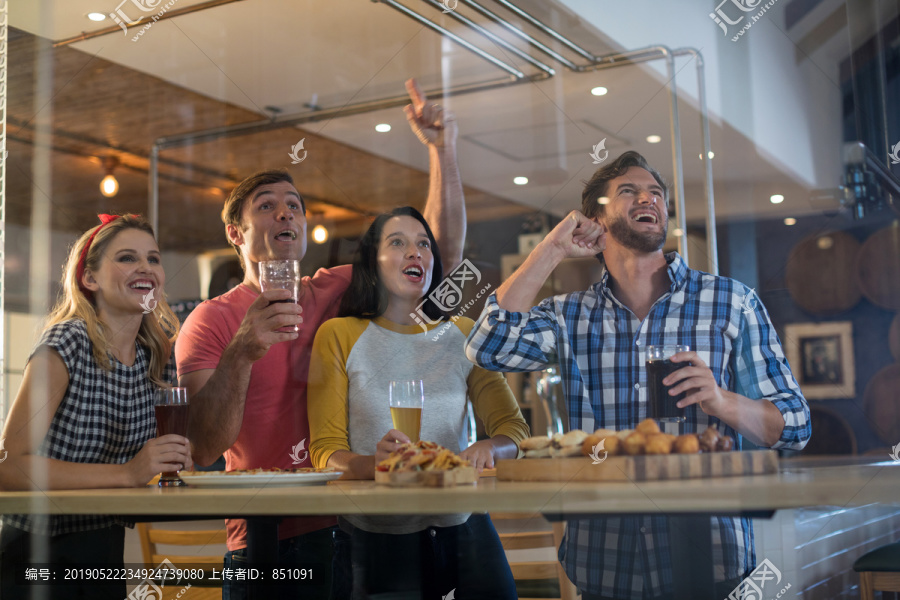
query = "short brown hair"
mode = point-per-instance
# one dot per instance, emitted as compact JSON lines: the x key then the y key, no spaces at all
{"x":596,"y":187}
{"x":234,"y":204}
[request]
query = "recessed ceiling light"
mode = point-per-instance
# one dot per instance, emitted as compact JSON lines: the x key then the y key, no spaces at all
{"x":95,"y":16}
{"x":677,"y":232}
{"x":382,"y":128}
{"x":712,"y":155}
{"x":776,"y":198}
{"x":790,"y":221}
{"x":599,"y":91}
{"x":520,"y":180}
{"x":654,"y":139}
{"x":603,"y":200}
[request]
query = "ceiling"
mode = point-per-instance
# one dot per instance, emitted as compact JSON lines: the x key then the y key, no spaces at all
{"x":233,"y":61}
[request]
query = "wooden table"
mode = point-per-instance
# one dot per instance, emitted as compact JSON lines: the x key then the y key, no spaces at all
{"x":801,"y":483}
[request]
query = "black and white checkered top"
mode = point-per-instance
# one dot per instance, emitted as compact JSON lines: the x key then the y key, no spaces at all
{"x":104,"y":417}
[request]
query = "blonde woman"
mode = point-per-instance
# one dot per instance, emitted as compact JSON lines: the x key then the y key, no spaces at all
{"x":83,"y":417}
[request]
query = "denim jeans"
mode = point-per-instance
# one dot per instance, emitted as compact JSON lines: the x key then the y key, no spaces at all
{"x":326,"y":551}
{"x":429,"y":564}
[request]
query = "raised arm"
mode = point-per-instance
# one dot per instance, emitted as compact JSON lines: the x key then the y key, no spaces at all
{"x":217,"y":395}
{"x":445,"y":208}
{"x":575,"y":236}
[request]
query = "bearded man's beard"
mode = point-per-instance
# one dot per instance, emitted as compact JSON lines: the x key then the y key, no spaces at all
{"x":650,"y":241}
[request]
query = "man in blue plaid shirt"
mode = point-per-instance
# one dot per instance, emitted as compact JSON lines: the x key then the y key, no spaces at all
{"x":738,"y":379}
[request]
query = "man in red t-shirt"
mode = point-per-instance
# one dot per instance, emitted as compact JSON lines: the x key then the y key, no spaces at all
{"x":247,"y":380}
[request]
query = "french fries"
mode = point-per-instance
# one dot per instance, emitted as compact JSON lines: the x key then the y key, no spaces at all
{"x":421,"y":456}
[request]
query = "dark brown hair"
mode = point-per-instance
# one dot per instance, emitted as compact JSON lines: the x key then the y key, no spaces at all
{"x":366,"y":298}
{"x":234,"y":204}
{"x":596,"y":187}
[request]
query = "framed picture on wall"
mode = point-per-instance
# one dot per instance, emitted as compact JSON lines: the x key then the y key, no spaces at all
{"x":821,"y":358}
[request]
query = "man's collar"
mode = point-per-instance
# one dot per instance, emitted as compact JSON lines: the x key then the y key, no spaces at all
{"x":676,"y":268}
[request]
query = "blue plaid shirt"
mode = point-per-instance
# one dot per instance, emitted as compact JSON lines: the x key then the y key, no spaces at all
{"x":598,"y":344}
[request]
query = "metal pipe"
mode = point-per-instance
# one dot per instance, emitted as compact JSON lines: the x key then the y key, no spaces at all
{"x":549,"y":31}
{"x":259,"y":126}
{"x":494,"y":38}
{"x":521,"y":34}
{"x":153,"y":192}
{"x":446,"y":32}
{"x":711,"y":235}
{"x":87,"y":35}
{"x":677,"y":165}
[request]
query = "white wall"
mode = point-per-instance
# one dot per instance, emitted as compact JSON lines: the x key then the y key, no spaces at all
{"x":790,"y":109}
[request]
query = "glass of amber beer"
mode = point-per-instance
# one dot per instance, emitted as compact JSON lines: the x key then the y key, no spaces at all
{"x":171,"y":408}
{"x":407,"y":399}
{"x":281,"y":275}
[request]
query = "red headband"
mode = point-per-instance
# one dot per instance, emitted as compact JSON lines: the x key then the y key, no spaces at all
{"x":79,"y":272}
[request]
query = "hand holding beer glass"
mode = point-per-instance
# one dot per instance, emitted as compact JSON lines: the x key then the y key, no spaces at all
{"x":659,"y":366}
{"x":171,"y":408}
{"x":281,"y":275}
{"x":407,"y":399}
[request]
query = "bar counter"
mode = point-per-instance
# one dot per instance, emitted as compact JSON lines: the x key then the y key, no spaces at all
{"x":818,"y":482}
{"x":801,"y":483}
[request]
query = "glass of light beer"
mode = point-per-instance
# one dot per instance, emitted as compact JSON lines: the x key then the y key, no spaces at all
{"x":407,"y":399}
{"x":171,"y":408}
{"x":281,"y":275}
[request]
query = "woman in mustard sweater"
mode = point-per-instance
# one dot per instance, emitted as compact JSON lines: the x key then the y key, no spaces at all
{"x":354,"y":358}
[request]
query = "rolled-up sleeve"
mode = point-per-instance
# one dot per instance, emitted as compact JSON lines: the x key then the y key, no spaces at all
{"x":763,"y":372}
{"x":514,"y":341}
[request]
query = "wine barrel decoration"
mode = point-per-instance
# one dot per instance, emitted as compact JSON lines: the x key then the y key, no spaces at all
{"x":819,"y":273}
{"x":831,"y":433}
{"x":878,"y":267}
{"x":894,"y":337}
{"x":881,"y":403}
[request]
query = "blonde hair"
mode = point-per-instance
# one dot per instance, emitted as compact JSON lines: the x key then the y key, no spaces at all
{"x":158,"y":327}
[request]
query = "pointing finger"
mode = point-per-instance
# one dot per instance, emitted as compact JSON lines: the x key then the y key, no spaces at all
{"x":415,"y":94}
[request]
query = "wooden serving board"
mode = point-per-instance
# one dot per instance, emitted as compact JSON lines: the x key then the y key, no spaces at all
{"x":446,"y":478}
{"x":640,"y":468}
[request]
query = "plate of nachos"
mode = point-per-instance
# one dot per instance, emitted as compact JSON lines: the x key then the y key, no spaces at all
{"x":259,"y":477}
{"x":424,"y":464}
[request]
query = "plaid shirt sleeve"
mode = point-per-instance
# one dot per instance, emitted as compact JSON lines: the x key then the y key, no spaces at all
{"x":514,"y":341}
{"x":763,"y":372}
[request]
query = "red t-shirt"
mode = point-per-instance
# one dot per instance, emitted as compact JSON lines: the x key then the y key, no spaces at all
{"x":275,"y":427}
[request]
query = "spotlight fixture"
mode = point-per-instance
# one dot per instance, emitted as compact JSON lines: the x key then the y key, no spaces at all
{"x":109,"y":186}
{"x":382,"y":128}
{"x":320,"y":234}
{"x":776,"y":198}
{"x":655,"y":139}
{"x":599,"y":91}
{"x":520,"y":180}
{"x":790,"y":221}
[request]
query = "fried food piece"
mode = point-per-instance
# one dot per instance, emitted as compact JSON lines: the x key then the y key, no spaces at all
{"x":603,"y":433}
{"x":538,"y":442}
{"x":634,"y":443}
{"x":613,"y":445}
{"x":659,"y":443}
{"x":587,"y":446}
{"x":647,"y":427}
{"x":725,"y":444}
{"x":542,"y":453}
{"x":709,"y":439}
{"x":688,"y":443}
{"x":624,"y":433}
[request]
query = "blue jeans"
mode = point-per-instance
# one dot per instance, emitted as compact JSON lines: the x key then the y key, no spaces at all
{"x":327,"y":549}
{"x":429,"y":564}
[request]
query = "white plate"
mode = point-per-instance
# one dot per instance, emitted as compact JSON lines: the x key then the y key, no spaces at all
{"x":259,"y":479}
